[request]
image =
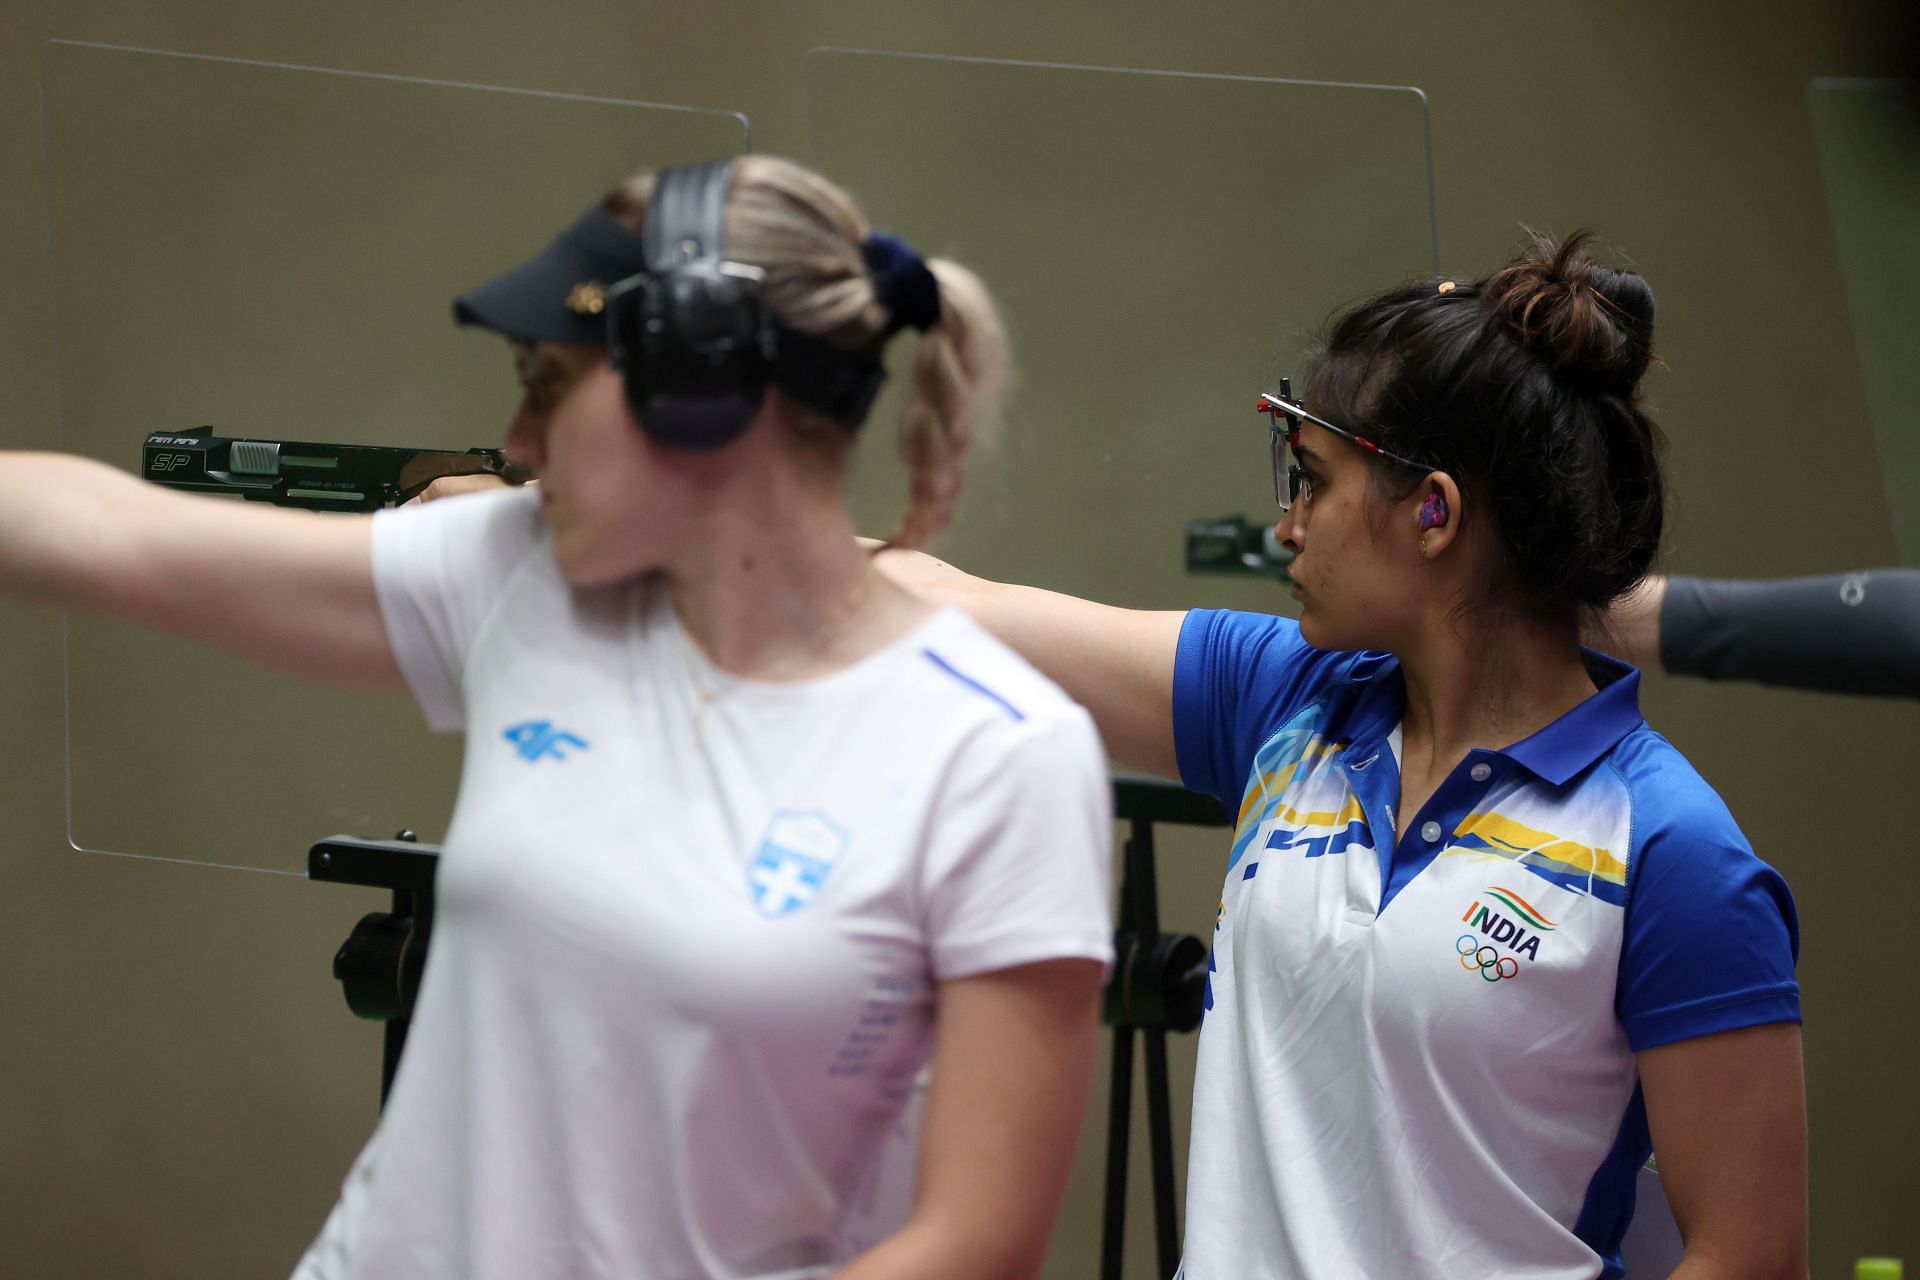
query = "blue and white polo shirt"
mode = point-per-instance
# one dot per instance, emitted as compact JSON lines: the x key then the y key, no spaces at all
{"x":1417,"y":1060}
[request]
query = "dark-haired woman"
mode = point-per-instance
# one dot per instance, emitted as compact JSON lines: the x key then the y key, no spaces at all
{"x":1486,"y":937}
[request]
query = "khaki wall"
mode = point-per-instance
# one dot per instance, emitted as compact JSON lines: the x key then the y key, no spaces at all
{"x":180,"y":1085}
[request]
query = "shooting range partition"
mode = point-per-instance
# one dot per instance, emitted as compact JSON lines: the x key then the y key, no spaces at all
{"x":272,"y":251}
{"x":1868,"y":133}
{"x":1164,"y":247}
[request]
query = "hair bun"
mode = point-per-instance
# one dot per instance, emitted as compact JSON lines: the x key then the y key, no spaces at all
{"x":1587,"y":322}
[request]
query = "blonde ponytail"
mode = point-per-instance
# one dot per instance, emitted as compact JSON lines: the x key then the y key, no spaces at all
{"x":959,"y":385}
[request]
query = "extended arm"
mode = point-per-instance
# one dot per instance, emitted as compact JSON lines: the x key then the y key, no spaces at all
{"x":1729,"y":1121}
{"x":1117,"y":663}
{"x":1011,"y":1067}
{"x":290,"y":590}
{"x":1844,"y":633}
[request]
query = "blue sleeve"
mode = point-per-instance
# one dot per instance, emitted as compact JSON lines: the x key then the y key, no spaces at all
{"x":1711,"y":934}
{"x":1236,"y":678}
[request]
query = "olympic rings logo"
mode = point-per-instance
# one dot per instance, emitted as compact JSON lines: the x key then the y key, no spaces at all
{"x":1476,"y":955}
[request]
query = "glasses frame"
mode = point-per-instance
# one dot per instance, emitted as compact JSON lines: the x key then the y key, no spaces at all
{"x":1288,"y":478}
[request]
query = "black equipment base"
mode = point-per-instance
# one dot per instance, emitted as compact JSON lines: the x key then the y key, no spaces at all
{"x":380,"y":964}
{"x":1159,"y":984}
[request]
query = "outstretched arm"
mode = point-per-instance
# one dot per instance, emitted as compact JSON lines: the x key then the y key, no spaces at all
{"x":1011,"y":1069}
{"x":290,"y":590}
{"x":1844,"y":632}
{"x":1117,"y":663}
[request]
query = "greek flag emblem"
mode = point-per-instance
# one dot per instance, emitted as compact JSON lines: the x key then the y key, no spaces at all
{"x":793,"y":861}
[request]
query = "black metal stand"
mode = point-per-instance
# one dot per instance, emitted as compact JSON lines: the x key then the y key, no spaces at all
{"x":380,"y":963}
{"x":1159,"y":983}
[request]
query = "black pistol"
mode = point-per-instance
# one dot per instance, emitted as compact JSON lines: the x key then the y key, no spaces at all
{"x":318,"y":477}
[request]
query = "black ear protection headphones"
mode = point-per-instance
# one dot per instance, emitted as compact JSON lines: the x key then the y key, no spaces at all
{"x":693,"y":338}
{"x":691,"y":335}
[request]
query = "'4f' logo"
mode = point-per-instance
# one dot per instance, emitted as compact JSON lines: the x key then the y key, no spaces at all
{"x":538,"y":739}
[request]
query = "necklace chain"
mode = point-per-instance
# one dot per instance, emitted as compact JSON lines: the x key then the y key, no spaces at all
{"x":705,"y":695}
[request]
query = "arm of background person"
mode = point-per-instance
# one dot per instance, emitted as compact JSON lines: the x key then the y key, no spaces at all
{"x":1012,"y":1065}
{"x":290,"y":590}
{"x":1117,"y":663}
{"x":1843,"y":633}
{"x":454,"y":486}
{"x":1630,"y":628}
{"x":1728,"y":1116}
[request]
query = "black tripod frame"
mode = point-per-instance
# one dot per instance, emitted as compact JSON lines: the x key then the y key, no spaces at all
{"x":1159,"y":985}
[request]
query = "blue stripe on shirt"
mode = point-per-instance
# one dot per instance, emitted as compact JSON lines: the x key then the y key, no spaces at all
{"x":971,"y":683}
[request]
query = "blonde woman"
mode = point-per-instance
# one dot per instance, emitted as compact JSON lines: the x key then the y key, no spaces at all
{"x":746,"y":833}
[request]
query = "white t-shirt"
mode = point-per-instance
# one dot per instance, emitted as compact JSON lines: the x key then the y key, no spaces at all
{"x":684,"y":965}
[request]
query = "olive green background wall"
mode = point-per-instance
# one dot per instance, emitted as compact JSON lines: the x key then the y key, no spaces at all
{"x":180,"y":1085}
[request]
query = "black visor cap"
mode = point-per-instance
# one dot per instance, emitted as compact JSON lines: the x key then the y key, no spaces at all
{"x":556,"y":295}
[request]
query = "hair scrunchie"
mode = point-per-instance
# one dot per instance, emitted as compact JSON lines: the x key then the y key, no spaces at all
{"x":902,"y":281}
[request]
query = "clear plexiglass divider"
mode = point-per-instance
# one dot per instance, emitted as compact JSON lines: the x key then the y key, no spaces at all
{"x":1868,"y":134}
{"x":1164,"y":246}
{"x":271,"y":251}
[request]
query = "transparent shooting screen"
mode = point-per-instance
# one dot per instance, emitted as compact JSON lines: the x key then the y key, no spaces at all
{"x":1163,"y":247}
{"x":1868,"y":132}
{"x":272,"y":252}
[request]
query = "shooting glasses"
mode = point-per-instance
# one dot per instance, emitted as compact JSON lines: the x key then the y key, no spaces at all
{"x":1290,"y":484}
